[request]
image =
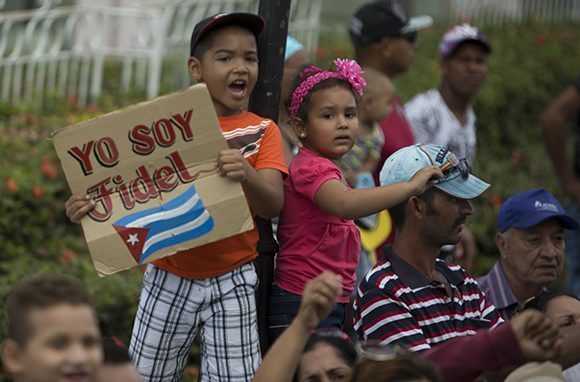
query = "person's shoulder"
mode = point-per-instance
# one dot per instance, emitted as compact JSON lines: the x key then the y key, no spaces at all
{"x":455,"y":272}
{"x":426,"y":98}
{"x":308,"y":161}
{"x":248,"y":115}
{"x":423,"y":104}
{"x":245,"y":119}
{"x":381,"y":276}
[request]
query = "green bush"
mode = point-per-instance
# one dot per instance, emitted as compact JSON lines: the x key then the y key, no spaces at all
{"x":35,"y":235}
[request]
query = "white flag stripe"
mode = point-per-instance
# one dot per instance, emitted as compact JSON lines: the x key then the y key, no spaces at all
{"x":245,"y":130}
{"x":176,"y":231}
{"x":165,"y":214}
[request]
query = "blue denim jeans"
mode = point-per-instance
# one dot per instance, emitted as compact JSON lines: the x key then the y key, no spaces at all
{"x":284,"y":306}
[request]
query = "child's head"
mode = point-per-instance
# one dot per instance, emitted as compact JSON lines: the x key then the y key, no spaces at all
{"x":375,"y":104}
{"x":117,"y":365}
{"x":224,"y":55}
{"x":53,"y":333}
{"x":323,"y":109}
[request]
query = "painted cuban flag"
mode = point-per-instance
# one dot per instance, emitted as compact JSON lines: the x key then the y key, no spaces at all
{"x":182,"y":219}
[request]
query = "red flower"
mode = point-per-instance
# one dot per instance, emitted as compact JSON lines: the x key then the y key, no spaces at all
{"x":72,"y":100}
{"x":66,"y":256}
{"x":494,"y":200}
{"x":539,"y":41}
{"x":48,"y":170}
{"x":11,"y":185}
{"x":37,"y":192}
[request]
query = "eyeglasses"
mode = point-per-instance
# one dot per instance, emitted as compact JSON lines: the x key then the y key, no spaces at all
{"x":377,"y":352}
{"x":452,"y":166}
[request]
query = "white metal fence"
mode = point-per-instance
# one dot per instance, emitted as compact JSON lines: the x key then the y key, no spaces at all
{"x":498,"y":12}
{"x":64,"y":50}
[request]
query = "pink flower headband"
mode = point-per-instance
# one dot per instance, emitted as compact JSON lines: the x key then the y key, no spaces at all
{"x":348,"y":70}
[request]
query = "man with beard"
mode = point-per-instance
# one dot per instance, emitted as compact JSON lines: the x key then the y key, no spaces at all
{"x":531,"y":244}
{"x":412,"y":298}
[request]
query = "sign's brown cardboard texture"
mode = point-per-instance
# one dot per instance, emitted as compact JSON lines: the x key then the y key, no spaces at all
{"x":151,"y":168}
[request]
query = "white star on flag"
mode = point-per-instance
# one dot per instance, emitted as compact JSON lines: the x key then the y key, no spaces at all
{"x":132,"y":239}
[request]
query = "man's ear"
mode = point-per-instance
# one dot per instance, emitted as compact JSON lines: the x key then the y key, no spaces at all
{"x":501,"y":244}
{"x":298,"y":127}
{"x":417,"y":207}
{"x":194,"y":67}
{"x":12,"y":357}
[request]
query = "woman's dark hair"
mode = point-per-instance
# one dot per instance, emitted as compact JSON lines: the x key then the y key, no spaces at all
{"x":336,"y":339}
{"x":541,"y":301}
{"x":304,"y":108}
{"x":404,"y":368}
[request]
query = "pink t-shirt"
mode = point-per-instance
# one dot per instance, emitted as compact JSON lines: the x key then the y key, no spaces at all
{"x":311,"y":240}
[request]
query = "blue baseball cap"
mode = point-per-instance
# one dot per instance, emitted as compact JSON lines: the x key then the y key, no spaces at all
{"x":458,"y":180}
{"x":529,"y":208}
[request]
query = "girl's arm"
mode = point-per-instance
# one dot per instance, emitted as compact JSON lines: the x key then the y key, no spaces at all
{"x":318,"y":299}
{"x":335,"y":198}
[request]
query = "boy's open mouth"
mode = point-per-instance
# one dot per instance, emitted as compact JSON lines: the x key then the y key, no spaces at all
{"x":238,"y":88}
{"x":77,"y":376}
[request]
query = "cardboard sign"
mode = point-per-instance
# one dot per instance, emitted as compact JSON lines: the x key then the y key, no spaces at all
{"x":151,"y":168}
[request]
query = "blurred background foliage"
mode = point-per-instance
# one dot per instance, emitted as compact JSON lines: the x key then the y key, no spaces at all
{"x":529,"y":65}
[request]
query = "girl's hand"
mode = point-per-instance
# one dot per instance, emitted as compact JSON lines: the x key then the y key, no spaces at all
{"x":77,"y":206}
{"x":423,"y":178}
{"x":318,"y":299}
{"x":232,"y":165}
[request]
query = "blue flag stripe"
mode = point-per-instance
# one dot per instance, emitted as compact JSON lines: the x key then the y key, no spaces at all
{"x":159,"y":226}
{"x":188,"y":235}
{"x":172,"y":206}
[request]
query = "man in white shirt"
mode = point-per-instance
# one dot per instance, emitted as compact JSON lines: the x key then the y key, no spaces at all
{"x":444,"y":116}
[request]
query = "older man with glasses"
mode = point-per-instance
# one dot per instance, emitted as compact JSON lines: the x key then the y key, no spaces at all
{"x":412,"y":298}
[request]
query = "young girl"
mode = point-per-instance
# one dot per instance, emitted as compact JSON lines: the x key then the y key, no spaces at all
{"x":316,"y":230}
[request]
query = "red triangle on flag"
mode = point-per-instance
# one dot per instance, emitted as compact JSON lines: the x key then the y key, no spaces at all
{"x":134,"y":238}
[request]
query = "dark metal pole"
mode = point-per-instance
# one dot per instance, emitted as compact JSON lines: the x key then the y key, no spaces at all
{"x":264,"y":102}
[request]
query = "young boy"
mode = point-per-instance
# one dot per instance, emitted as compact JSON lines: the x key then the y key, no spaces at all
{"x":53,"y":333}
{"x":210,"y":289}
{"x":373,"y":107}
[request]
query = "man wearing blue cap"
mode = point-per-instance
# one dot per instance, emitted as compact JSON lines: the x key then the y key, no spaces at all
{"x":531,"y":243}
{"x":412,"y":298}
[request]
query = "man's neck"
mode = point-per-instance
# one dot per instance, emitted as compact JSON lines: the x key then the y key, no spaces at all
{"x":416,"y":252}
{"x":522,"y":290}
{"x":457,"y":103}
{"x":377,"y":64}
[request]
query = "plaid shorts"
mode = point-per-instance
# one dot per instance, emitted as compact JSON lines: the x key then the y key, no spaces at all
{"x":173,"y":309}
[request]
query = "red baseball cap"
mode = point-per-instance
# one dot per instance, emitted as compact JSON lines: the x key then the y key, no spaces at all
{"x":251,"y":21}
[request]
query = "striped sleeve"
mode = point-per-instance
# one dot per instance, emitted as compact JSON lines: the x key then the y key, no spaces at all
{"x":488,"y":310}
{"x":385,"y":319}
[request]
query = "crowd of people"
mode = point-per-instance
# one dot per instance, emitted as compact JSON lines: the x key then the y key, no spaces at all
{"x":345,"y":148}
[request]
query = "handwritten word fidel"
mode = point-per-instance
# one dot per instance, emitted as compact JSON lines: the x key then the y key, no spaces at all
{"x":145,"y":186}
